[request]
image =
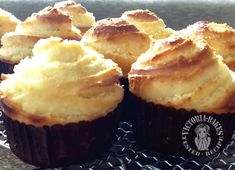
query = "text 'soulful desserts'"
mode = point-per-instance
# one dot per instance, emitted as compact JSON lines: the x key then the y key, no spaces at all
{"x":148,"y":22}
{"x":81,"y":18}
{"x":44,"y":24}
{"x":61,"y":105}
{"x":219,"y":36}
{"x":185,"y":96}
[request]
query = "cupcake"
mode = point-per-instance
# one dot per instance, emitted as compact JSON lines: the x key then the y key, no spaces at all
{"x":219,"y":36}
{"x":81,"y":18}
{"x":148,"y":22}
{"x":61,"y":106}
{"x":122,"y":42}
{"x":118,"y":40}
{"x":44,"y":24}
{"x":184,"y":98}
{"x":8,"y":23}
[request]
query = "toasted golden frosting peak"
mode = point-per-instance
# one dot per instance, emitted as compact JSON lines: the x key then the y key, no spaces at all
{"x":16,"y":46}
{"x":47,"y":15}
{"x":183,"y":73}
{"x":8,"y":22}
{"x":148,"y":22}
{"x":202,"y":26}
{"x":118,"y":40}
{"x":142,"y":15}
{"x":78,"y":8}
{"x":49,"y":22}
{"x":44,"y":24}
{"x":107,"y":28}
{"x":64,"y":82}
{"x":219,"y":36}
{"x":81,"y":18}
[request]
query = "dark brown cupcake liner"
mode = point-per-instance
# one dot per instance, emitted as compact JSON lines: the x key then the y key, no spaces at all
{"x":127,"y":102}
{"x":6,"y":68}
{"x":61,"y":145}
{"x":171,"y":131}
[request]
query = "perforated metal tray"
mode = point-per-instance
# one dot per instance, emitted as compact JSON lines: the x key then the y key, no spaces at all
{"x":125,"y":153}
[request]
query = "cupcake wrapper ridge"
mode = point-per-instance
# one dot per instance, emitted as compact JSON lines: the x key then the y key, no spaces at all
{"x":61,"y":145}
{"x":181,"y":132}
{"x":6,"y":68}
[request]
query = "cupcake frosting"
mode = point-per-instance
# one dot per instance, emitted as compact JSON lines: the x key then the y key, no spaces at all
{"x":81,"y":18}
{"x":8,"y":22}
{"x":219,"y":36}
{"x":49,"y":22}
{"x":148,"y":22}
{"x":181,"y":73}
{"x":16,"y":46}
{"x":44,"y":24}
{"x":64,"y":82}
{"x":118,"y":40}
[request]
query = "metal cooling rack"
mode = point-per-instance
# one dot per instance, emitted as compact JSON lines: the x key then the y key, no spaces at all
{"x":125,"y":153}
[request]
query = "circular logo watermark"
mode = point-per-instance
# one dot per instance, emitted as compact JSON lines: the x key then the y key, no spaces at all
{"x":202,"y":135}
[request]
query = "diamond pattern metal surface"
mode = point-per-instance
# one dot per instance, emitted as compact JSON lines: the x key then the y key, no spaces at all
{"x":125,"y":153}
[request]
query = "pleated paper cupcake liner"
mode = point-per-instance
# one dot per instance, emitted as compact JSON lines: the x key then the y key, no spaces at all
{"x":181,"y":132}
{"x":6,"y":68}
{"x":61,"y":145}
{"x":127,"y":103}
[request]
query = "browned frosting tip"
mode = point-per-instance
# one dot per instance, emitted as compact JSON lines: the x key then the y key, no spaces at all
{"x":51,"y":14}
{"x":111,"y":26}
{"x":70,"y":4}
{"x":142,"y":15}
{"x":201,"y":26}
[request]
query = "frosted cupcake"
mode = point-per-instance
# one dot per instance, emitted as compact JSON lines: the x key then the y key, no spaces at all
{"x":61,"y":105}
{"x":184,"y":98}
{"x":44,"y":24}
{"x":148,"y":22}
{"x":221,"y":37}
{"x":122,"y":42}
{"x":8,"y":23}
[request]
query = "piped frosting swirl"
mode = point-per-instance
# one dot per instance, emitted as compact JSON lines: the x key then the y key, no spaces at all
{"x":8,"y":22}
{"x":118,"y":40}
{"x":44,"y":24}
{"x":148,"y":22}
{"x":64,"y":82}
{"x":219,"y":36}
{"x":183,"y":73}
{"x":81,"y":18}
